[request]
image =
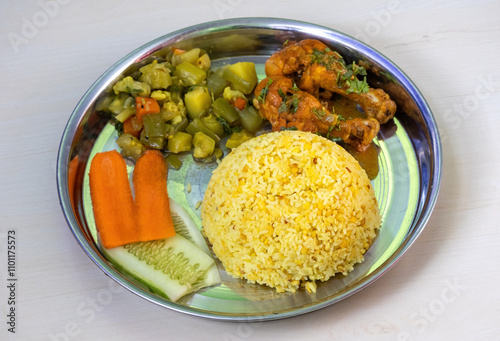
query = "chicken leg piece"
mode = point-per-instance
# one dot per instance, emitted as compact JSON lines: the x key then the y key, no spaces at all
{"x":286,"y":106}
{"x":313,"y":66}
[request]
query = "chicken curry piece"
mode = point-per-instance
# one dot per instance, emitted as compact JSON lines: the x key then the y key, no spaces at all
{"x":303,"y":78}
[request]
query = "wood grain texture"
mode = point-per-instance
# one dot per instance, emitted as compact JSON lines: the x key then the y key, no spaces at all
{"x":444,"y":288}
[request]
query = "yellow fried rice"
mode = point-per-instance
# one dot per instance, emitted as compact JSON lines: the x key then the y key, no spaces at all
{"x":289,"y":208}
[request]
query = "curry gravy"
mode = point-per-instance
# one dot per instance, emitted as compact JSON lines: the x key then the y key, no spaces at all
{"x":367,"y":159}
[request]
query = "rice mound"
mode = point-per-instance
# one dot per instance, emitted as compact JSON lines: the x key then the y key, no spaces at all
{"x":289,"y":208}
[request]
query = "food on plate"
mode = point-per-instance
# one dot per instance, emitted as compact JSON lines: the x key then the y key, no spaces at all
{"x":303,"y":81}
{"x":174,"y":98}
{"x":181,"y":94}
{"x":152,"y":207}
{"x":172,"y":267}
{"x":119,"y":218}
{"x":149,"y":238}
{"x":286,"y":106}
{"x":315,"y":67}
{"x":287,"y":209}
{"x":112,"y":199}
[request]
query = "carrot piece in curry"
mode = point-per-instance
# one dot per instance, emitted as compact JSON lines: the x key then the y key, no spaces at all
{"x":132,"y":127}
{"x":239,"y":103}
{"x":144,"y":106}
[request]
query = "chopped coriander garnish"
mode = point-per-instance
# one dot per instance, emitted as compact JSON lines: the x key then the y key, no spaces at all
{"x":282,"y":94}
{"x":349,"y":78}
{"x":347,"y":75}
{"x":320,"y":113}
{"x":227,"y":128}
{"x":340,"y":118}
{"x":287,"y":103}
{"x":263,"y":93}
{"x":294,"y":105}
{"x":119,"y":127}
{"x":317,"y":55}
{"x":340,"y":59}
{"x":283,"y":107}
{"x":339,"y":78}
{"x":358,"y":70}
{"x":326,"y":59}
{"x":225,"y":125}
{"x":329,"y":131}
{"x":357,"y":86}
{"x":353,"y":71}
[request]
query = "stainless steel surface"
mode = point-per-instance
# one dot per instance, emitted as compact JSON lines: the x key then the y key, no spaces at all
{"x":407,"y":186}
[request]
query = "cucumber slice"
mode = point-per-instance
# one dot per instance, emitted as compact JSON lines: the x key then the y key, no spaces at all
{"x":209,"y":278}
{"x":171,"y":267}
{"x":186,"y":227}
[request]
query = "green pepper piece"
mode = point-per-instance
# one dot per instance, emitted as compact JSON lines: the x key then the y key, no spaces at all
{"x":225,"y":110}
{"x":174,"y":161}
{"x":196,"y":125}
{"x":251,"y":119}
{"x":176,"y":90}
{"x":182,"y":125}
{"x":154,"y":126}
{"x":169,"y":130}
{"x":190,"y":74}
{"x":216,"y":83}
{"x":155,"y":142}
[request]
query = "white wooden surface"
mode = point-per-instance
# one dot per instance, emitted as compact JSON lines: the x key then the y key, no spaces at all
{"x":444,"y":288}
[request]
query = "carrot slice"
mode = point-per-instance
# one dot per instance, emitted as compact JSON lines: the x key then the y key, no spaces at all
{"x":118,"y":218}
{"x":151,"y":197}
{"x":112,"y":200}
{"x":144,"y":106}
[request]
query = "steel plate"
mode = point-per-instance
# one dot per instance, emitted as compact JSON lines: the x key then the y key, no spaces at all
{"x":406,"y":186}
